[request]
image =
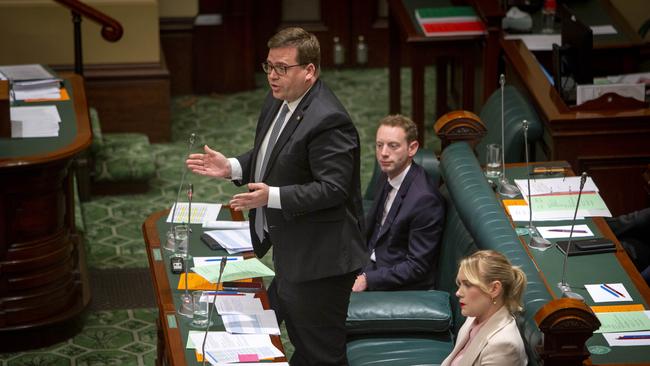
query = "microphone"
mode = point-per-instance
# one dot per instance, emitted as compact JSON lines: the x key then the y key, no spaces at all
{"x":192,"y":139}
{"x":186,"y":299}
{"x":537,"y":241}
{"x":564,"y":286}
{"x":505,"y":187}
{"x":222,"y":267}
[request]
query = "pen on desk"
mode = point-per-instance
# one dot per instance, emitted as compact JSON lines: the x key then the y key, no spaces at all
{"x":567,"y":231}
{"x":219,"y":260}
{"x":613,"y":289}
{"x":638,"y":336}
{"x":222,"y":293}
{"x":608,"y":290}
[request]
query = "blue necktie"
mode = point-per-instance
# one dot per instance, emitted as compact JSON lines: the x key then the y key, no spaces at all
{"x":259,"y":212}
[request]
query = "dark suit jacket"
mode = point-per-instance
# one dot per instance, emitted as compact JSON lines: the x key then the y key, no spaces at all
{"x":318,"y":232}
{"x":408,"y":243}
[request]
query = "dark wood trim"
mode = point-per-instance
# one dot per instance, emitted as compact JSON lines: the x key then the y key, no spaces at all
{"x":111,"y":29}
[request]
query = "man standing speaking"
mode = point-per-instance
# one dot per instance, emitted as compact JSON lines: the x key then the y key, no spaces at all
{"x":304,"y":197}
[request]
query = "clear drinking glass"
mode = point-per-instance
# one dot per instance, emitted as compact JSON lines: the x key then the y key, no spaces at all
{"x":493,"y":161}
{"x":178,"y":244}
{"x":201,"y":305}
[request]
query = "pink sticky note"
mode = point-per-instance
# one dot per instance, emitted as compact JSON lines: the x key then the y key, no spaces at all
{"x":248,"y":358}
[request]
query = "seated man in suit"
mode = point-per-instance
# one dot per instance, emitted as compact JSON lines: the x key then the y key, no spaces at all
{"x":404,"y":224}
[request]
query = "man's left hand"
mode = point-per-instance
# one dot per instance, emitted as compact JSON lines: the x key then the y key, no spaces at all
{"x":257,"y":197}
{"x":360,"y":284}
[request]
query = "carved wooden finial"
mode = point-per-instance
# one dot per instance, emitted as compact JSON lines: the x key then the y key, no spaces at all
{"x":460,"y":126}
{"x":567,"y":324}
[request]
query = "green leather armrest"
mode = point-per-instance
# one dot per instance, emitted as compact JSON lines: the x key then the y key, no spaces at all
{"x":398,"y":311}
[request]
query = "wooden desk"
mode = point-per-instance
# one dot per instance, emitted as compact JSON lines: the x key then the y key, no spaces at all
{"x":172,"y":328}
{"x":591,"y":269}
{"x":611,"y":145}
{"x":404,"y":31}
{"x":43,"y":282}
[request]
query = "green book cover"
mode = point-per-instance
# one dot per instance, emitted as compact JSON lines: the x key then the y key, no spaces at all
{"x":445,"y":12}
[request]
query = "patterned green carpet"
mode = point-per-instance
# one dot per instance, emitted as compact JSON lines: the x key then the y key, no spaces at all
{"x":113,"y":223}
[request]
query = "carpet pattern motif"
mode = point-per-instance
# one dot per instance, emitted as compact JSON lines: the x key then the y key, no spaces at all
{"x":113,"y":223}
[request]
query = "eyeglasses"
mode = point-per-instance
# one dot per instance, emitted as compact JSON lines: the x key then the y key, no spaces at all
{"x":279,"y":69}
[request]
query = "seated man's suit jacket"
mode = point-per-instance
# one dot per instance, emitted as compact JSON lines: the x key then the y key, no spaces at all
{"x":408,"y":242}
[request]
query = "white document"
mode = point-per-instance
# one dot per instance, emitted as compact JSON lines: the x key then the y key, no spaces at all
{"x":628,"y":338}
{"x":521,"y":213}
{"x":216,"y":260}
{"x":25,"y":72}
{"x":234,"y":241}
{"x":603,"y":29}
{"x":35,"y":121}
{"x":238,"y":305}
{"x":227,"y":348}
{"x":554,"y":232}
{"x":263,"y":322}
{"x":542,"y":186}
{"x":201,"y":212}
{"x":226,"y":225}
{"x":537,"y":42}
{"x":587,"y":92}
{"x":610,"y":292}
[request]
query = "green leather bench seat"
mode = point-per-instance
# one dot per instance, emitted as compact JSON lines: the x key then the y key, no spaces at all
{"x":516,"y":108}
{"x":474,"y":220}
{"x":483,"y":216}
{"x":406,"y":350}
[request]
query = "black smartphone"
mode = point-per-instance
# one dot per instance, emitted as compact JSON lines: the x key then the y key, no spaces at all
{"x":177,"y":265}
{"x":587,"y":246}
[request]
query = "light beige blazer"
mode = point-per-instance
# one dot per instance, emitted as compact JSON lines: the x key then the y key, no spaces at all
{"x":498,"y":342}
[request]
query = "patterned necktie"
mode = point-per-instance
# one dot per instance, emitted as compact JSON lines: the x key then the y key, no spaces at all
{"x":259,"y":212}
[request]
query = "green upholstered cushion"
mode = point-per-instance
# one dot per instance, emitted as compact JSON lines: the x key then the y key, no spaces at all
{"x":124,"y":157}
{"x":516,"y":108}
{"x":398,"y":311}
{"x":402,"y":351}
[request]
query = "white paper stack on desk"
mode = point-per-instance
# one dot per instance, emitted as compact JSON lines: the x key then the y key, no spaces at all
{"x":556,"y":199}
{"x":35,"y":121}
{"x":31,"y":82}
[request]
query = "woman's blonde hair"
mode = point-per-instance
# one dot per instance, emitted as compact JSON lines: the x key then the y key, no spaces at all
{"x":486,"y":266}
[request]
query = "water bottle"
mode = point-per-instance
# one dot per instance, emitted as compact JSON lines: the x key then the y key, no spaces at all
{"x":548,"y":16}
{"x":362,"y":51}
{"x":339,"y":53}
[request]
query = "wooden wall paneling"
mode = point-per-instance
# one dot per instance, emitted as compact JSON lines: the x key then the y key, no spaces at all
{"x":131,"y":98}
{"x":176,"y":42}
{"x":224,"y":52}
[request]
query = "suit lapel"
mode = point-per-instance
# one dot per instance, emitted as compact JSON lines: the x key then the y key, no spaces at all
{"x":290,"y":126}
{"x":397,"y":202}
{"x":499,"y":320}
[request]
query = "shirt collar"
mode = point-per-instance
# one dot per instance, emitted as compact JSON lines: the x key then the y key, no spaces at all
{"x":397,"y":181}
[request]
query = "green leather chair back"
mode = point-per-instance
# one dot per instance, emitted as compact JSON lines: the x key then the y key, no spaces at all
{"x":516,"y":108}
{"x":480,"y":213}
{"x":426,"y":158}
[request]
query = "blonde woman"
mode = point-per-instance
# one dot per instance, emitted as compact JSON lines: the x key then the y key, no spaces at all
{"x":489,"y":292}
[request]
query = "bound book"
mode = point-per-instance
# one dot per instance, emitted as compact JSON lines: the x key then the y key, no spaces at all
{"x":449,"y":21}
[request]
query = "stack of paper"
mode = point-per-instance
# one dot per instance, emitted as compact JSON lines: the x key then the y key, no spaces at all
{"x":449,"y":21}
{"x":31,"y":82}
{"x":223,"y":347}
{"x":37,"y":121}
{"x":235,"y":270}
{"x":233,"y":241}
{"x":557,"y":198}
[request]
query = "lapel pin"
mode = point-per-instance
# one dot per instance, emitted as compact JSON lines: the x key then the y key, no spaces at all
{"x":298,"y":118}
